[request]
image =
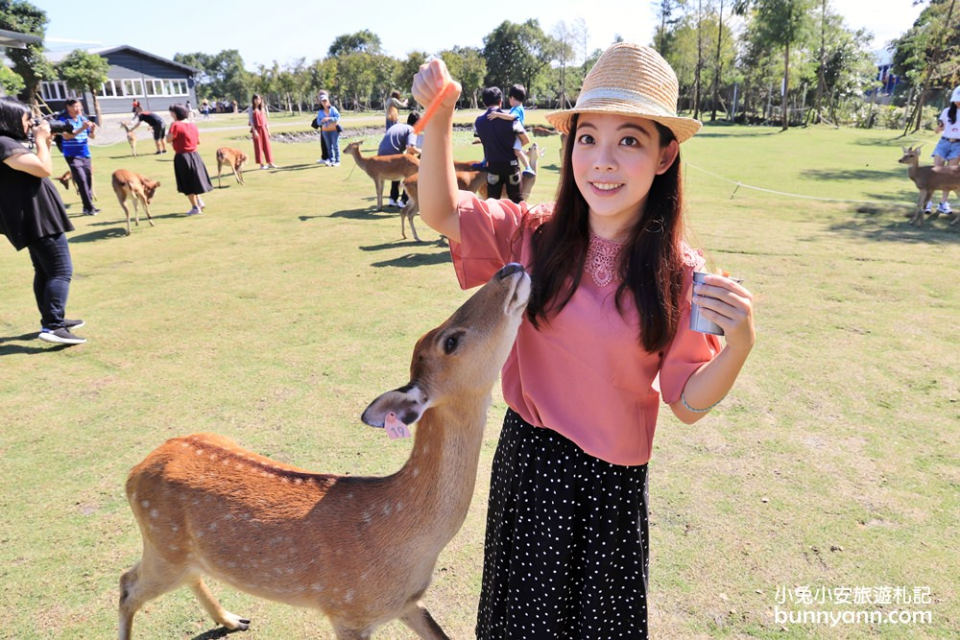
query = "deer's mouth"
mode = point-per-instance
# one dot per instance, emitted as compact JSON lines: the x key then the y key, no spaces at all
{"x":519,"y":293}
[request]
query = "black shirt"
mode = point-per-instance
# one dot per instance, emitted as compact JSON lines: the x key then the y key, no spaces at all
{"x":497,"y":136}
{"x":151,"y":119}
{"x":30,"y":207}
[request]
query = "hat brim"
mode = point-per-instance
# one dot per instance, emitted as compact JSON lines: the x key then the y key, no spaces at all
{"x":682,"y":128}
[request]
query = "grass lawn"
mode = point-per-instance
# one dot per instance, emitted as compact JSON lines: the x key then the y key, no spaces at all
{"x":276,"y":316}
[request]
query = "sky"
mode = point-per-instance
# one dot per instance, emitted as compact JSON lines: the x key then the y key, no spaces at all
{"x":307,"y":29}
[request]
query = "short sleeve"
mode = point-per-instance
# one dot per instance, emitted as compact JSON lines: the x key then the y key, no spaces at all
{"x":10,"y":148}
{"x":689,"y":350}
{"x":488,"y":232}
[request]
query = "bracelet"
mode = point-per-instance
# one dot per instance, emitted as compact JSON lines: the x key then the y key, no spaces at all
{"x":689,"y":408}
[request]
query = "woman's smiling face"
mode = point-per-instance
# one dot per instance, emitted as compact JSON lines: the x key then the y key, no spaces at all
{"x":615,"y":159}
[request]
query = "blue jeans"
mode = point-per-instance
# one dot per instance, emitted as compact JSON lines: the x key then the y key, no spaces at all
{"x":83,"y":177}
{"x":53,"y":271}
{"x":332,"y":138}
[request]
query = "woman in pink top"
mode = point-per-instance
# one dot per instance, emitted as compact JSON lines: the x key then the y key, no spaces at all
{"x":606,"y":336}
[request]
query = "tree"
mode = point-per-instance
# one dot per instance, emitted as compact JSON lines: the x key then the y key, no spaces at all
{"x":471,"y":69}
{"x":782,"y":24}
{"x":28,"y":63}
{"x":10,"y":82}
{"x":360,"y":42}
{"x":516,"y":53}
{"x":408,"y":69}
{"x":222,"y":75}
{"x":565,"y":39}
{"x":84,"y":71}
{"x":928,"y":55}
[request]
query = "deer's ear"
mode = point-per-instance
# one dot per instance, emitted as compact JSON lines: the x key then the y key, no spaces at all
{"x":408,"y":403}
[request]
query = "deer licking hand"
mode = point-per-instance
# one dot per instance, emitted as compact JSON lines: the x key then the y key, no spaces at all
{"x":360,"y":549}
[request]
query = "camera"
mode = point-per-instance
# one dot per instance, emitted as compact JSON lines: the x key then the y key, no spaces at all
{"x":56,"y":126}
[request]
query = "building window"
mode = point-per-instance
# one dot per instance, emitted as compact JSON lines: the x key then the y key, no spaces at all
{"x":167,"y":88}
{"x":132,"y":88}
{"x":124,"y":88}
{"x":55,"y":91}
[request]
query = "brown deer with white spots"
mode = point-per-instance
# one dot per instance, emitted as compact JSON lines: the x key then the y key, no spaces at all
{"x":360,"y":549}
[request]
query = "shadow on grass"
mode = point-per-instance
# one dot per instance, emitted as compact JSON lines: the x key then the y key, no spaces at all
{"x":745,"y":134}
{"x":119,"y":231}
{"x":13,"y":349}
{"x":440,"y":243}
{"x":298,"y":167}
{"x":852,"y":174}
{"x":416,"y":260}
{"x":358,"y":214}
{"x":881,"y":223}
{"x":219,"y":632}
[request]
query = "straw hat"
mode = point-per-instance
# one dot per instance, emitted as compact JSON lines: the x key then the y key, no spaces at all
{"x":630,"y":80}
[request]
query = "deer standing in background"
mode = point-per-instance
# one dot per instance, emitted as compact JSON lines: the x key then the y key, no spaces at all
{"x":384,"y":169}
{"x":131,"y":137}
{"x":468,"y":180}
{"x":362,"y":550}
{"x":928,"y":180}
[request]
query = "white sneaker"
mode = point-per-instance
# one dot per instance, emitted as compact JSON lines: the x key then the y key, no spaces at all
{"x":392,"y":203}
{"x":929,"y":208}
{"x":321,"y":161}
{"x":944,"y":207}
{"x":262,"y":167}
{"x":335,"y":164}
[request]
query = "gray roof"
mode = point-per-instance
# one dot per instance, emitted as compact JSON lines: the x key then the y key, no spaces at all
{"x":17,"y":40}
{"x":58,"y":56}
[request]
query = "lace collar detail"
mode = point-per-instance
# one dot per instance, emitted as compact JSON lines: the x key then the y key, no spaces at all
{"x":603,"y":260}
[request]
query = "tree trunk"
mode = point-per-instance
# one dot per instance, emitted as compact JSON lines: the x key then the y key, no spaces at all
{"x":96,"y":107}
{"x":784,"y":120}
{"x":717,"y":68}
{"x":821,"y":80}
{"x":699,"y":67}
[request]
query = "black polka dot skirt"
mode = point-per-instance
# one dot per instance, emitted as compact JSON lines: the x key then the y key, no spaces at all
{"x":566,"y":551}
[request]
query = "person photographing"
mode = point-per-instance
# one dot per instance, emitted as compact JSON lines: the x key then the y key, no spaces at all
{"x":33,"y":217}
{"x":76,"y":151}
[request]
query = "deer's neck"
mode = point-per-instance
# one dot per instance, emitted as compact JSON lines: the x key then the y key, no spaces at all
{"x":442,"y":469}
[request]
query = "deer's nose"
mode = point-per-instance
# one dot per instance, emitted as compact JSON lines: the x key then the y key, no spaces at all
{"x":509,"y":270}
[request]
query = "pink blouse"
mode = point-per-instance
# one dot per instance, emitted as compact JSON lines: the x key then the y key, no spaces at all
{"x":585,"y":374}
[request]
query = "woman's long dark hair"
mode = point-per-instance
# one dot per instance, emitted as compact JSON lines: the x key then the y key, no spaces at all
{"x":11,"y":118}
{"x":651,"y":264}
{"x":952,"y":113}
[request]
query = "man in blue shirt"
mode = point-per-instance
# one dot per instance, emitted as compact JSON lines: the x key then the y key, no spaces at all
{"x":400,"y":138}
{"x":76,"y":151}
{"x":498,"y":137}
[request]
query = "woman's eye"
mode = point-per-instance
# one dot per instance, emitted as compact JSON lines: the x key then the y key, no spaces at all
{"x":585,"y":139}
{"x":450,"y":344}
{"x":630,"y":141}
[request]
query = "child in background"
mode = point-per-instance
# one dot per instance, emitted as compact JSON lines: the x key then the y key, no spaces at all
{"x":191,"y":174}
{"x":516,"y":95}
{"x":605,"y":337}
{"x":947,"y":151}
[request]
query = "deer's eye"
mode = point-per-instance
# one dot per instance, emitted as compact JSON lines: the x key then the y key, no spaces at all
{"x":451,"y":343}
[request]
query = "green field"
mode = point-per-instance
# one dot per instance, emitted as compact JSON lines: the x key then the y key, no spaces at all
{"x":281,"y":312}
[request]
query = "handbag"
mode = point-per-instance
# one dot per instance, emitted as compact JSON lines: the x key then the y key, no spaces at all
{"x":314,"y":123}
{"x":339,"y":128}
